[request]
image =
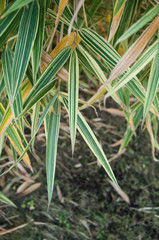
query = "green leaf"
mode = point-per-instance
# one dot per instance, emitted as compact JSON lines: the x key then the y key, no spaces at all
{"x":1,"y":86}
{"x":46,"y":110}
{"x":4,"y":199}
{"x":16,"y":5}
{"x":73,"y":95}
{"x":37,"y":49}
{"x":51,"y":150}
{"x":14,"y":137}
{"x":2,"y":6}
{"x":140,"y":23}
{"x":92,"y":142}
{"x":6,"y":21}
{"x":26,"y":37}
{"x":54,"y":66}
{"x":153,"y":83}
{"x":16,"y":105}
{"x":8,"y":25}
{"x":37,"y":97}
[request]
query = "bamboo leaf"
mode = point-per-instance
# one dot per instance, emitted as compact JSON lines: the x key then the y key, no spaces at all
{"x":26,"y":37}
{"x":118,"y":11}
{"x":73,"y":95}
{"x":92,"y":142}
{"x":16,"y":5}
{"x":118,"y":6}
{"x":134,"y":51}
{"x":4,"y":199}
{"x":16,"y":105}
{"x":2,"y":6}
{"x":136,"y":68}
{"x":153,"y":83}
{"x":100,"y":75}
{"x":109,"y":55}
{"x":45,"y":112}
{"x":51,"y":151}
{"x":8,"y":25}
{"x":140,"y":23}
{"x":37,"y":49}
{"x":8,"y":116}
{"x":47,"y":75}
{"x":14,"y":138}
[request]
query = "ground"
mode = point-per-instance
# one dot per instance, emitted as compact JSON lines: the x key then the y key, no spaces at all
{"x":89,"y":208}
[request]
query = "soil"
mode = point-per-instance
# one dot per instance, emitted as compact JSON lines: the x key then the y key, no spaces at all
{"x":92,"y":209}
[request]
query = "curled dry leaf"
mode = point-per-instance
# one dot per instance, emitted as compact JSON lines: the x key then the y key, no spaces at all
{"x":31,"y":189}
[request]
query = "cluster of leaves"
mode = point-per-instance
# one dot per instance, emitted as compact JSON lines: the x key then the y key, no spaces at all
{"x":33,"y":72}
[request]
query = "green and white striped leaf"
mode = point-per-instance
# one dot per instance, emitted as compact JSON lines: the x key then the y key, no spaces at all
{"x":140,"y":23}
{"x":26,"y":37}
{"x":14,"y":138}
{"x":35,"y":118}
{"x":153,"y":83}
{"x":92,"y":142}
{"x":54,"y":66}
{"x":1,"y":86}
{"x":51,"y":149}
{"x":45,"y":112}
{"x":37,"y":49}
{"x":16,"y":105}
{"x":37,"y":97}
{"x":6,"y":21}
{"x":8,"y":27}
{"x":73,"y":95}
{"x":16,"y":5}
{"x":4,"y":199}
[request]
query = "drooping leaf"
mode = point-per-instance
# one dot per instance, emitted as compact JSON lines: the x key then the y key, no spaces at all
{"x":92,"y":142}
{"x":25,"y":41}
{"x":46,"y":77}
{"x":14,"y":138}
{"x":153,"y":83}
{"x":51,"y":150}
{"x":38,"y":44}
{"x":73,"y":95}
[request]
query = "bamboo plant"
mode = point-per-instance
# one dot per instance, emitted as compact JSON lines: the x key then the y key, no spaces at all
{"x":45,"y":44}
